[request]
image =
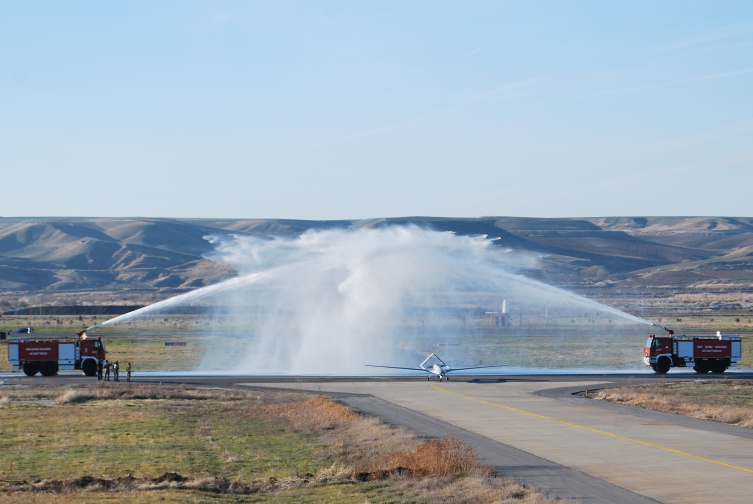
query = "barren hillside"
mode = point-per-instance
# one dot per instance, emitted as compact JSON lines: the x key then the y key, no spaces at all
{"x":119,"y":261}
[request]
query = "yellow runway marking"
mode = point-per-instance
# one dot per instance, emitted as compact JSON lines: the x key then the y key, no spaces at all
{"x":593,"y":430}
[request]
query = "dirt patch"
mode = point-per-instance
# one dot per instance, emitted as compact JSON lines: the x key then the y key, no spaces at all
{"x":173,"y":480}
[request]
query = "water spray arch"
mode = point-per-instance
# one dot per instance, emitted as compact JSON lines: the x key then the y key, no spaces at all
{"x":332,"y":301}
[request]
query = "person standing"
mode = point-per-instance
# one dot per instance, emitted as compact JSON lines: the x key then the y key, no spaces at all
{"x":107,"y":370}
{"x":99,"y":369}
{"x":128,"y":372}
{"x":116,"y":371}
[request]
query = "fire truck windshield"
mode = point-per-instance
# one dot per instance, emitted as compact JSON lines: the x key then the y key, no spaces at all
{"x":96,"y":345}
{"x":648,"y":343}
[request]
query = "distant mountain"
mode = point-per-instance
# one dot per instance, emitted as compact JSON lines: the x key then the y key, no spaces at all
{"x":97,"y":254}
{"x":66,"y":255}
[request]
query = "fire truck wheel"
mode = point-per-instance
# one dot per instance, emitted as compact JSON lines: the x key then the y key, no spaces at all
{"x":663,"y":365}
{"x":48,"y":368}
{"x":30,"y":368}
{"x":701,"y":368}
{"x":89,"y":367}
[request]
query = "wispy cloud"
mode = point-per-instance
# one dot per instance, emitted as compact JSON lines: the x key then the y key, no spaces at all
{"x":475,"y":99}
{"x":717,"y":133}
{"x":623,"y":90}
{"x":723,"y":33}
{"x":666,"y":84}
{"x":473,"y":52}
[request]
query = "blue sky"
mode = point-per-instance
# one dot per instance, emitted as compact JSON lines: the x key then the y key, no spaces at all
{"x":328,"y":110}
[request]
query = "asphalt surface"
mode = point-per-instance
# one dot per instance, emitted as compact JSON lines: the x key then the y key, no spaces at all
{"x":576,"y":395}
{"x":509,"y":461}
{"x":506,"y":460}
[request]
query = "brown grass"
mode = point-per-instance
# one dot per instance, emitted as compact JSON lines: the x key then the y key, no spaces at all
{"x":106,"y":391}
{"x":314,"y":413}
{"x":366,"y":439}
{"x":430,"y":459}
{"x":475,"y":489}
{"x":662,"y":398}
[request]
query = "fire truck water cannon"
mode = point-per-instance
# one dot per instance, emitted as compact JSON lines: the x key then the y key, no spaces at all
{"x":670,"y":331}
{"x":35,"y":354}
{"x":703,"y":354}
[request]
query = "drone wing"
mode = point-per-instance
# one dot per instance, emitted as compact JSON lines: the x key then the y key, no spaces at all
{"x":479,"y":367}
{"x":404,"y":368}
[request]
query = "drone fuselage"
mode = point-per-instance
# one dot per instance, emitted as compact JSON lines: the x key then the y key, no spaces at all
{"x":439,"y":371}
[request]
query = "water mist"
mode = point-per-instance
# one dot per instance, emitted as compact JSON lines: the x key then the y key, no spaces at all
{"x":331,"y":301}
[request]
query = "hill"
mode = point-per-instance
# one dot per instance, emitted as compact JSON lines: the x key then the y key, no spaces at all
{"x":122,"y":261}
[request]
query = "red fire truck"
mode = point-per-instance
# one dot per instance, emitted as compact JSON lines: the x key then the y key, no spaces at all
{"x":35,"y":354}
{"x":714,"y":354}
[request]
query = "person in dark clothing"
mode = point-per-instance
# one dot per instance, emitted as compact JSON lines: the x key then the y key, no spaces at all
{"x":128,"y":372}
{"x":116,"y":371}
{"x":107,"y":370}
{"x":99,"y":369}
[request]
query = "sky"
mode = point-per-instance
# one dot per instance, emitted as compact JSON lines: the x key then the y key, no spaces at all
{"x":347,"y":110}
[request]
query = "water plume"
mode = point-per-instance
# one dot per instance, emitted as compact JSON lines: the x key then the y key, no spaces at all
{"x":332,"y":301}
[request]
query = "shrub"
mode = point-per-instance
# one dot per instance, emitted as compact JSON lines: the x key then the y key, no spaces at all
{"x":438,"y":458}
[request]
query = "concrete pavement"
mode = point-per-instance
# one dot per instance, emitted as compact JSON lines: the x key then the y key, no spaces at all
{"x":660,"y":460}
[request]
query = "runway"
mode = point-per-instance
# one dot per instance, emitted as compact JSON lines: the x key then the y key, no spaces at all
{"x":532,"y":429}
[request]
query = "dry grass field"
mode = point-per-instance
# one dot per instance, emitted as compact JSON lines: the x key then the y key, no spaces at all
{"x":727,"y":401}
{"x":137,"y":443}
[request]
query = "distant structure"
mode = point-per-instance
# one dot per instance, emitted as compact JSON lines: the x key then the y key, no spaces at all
{"x":500,"y":319}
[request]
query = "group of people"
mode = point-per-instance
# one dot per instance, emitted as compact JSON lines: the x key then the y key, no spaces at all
{"x":103,"y":365}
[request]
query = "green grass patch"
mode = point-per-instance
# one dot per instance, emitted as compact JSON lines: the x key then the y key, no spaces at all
{"x":112,"y":438}
{"x":112,"y":431}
